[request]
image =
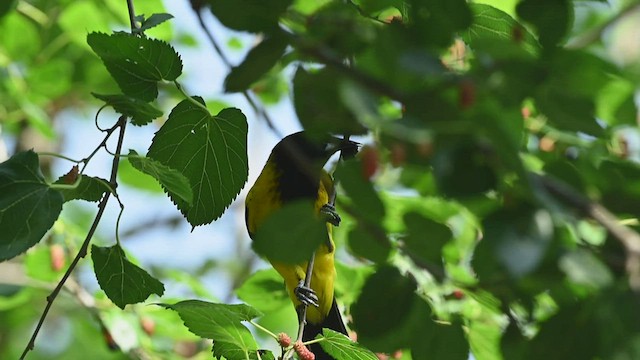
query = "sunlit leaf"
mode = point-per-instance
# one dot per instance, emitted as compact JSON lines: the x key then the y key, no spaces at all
{"x":219,"y":322}
{"x":211,"y":151}
{"x":343,"y":348}
{"x":136,"y":63}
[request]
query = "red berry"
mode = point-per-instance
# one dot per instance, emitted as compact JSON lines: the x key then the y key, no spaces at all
{"x":284,"y":340}
{"x":458,"y":294}
{"x":398,"y":154}
{"x":57,"y":256}
{"x":369,"y":158}
{"x":148,"y":325}
{"x":467,"y":92}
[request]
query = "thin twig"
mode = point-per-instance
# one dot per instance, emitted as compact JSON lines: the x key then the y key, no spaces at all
{"x":629,"y":239}
{"x":595,"y":34}
{"x":259,"y":110}
{"x":85,"y":245}
{"x":132,"y":16}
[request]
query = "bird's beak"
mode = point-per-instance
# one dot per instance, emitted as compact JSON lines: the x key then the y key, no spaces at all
{"x":348,"y":148}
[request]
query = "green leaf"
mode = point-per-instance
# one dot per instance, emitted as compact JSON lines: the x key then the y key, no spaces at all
{"x":567,"y":111}
{"x":258,"y":61}
{"x":350,"y":280}
{"x":426,"y":238}
{"x":341,"y":347}
{"x":219,"y":322}
{"x":552,"y":18}
{"x":360,"y":190}
{"x":211,"y":151}
{"x":249,"y":15}
{"x":38,"y":264}
{"x":153,"y":21}
{"x":376,"y":317}
{"x":123,"y":282}
{"x":7,"y":6}
{"x":490,"y":23}
{"x":265,"y":291}
{"x":318,"y":103}
{"x":434,"y":22}
{"x":584,"y":268}
{"x":228,"y":351}
{"x":89,"y":189}
{"x":136,"y":63}
{"x":172,"y":180}
{"x":517,"y":238}
{"x":28,"y":206}
{"x":369,"y":242}
{"x":447,"y":342}
{"x":140,"y":112}
{"x":278,"y":237}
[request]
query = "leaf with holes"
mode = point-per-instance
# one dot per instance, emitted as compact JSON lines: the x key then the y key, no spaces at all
{"x":28,"y":206}
{"x":170,"y":179}
{"x":136,"y":63}
{"x":123,"y":282}
{"x":211,"y":151}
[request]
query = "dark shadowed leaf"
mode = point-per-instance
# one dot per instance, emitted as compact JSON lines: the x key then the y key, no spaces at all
{"x":249,"y":15}
{"x":153,"y":21}
{"x":123,"y":282}
{"x":377,"y":319}
{"x":279,"y":237}
{"x":552,"y":18}
{"x":258,"y":61}
{"x":89,"y":189}
{"x":425,"y":237}
{"x":28,"y":206}
{"x":319,"y":105}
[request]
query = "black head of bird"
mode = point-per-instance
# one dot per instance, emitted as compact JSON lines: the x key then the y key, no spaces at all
{"x":302,"y":158}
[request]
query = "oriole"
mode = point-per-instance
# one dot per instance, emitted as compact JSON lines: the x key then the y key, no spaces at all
{"x":294,"y":171}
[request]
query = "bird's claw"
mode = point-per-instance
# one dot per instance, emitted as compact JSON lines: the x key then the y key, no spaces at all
{"x":306,"y":295}
{"x":330,"y":214}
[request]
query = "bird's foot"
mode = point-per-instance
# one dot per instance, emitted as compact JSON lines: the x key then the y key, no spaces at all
{"x":306,"y":295}
{"x":330,"y":214}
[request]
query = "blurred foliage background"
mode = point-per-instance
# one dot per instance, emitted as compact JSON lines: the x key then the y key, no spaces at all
{"x":495,"y":219}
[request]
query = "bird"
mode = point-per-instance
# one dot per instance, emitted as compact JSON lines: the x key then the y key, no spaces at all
{"x":294,"y":171}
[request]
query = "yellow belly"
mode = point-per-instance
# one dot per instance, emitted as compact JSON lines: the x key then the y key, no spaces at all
{"x":323,"y":274}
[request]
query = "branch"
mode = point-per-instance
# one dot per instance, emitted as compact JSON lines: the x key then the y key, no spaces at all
{"x":132,"y":16}
{"x":259,"y":110}
{"x":629,"y":239}
{"x":595,"y":34}
{"x":121,"y":124}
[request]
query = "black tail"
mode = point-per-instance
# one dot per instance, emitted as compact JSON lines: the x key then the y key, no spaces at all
{"x":333,"y":321}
